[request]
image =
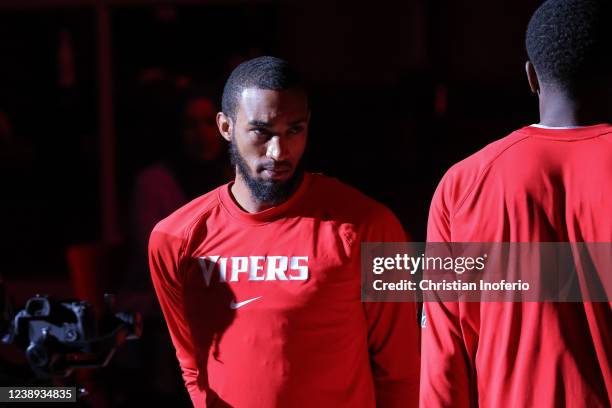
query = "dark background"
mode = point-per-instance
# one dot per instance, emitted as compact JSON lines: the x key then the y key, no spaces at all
{"x":400,"y":91}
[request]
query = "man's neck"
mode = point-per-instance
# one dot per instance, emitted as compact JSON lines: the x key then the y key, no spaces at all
{"x":558,"y":109}
{"x":243,"y":197}
{"x":245,"y":200}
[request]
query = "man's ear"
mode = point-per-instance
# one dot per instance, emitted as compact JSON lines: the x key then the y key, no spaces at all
{"x":224,"y":123}
{"x":532,"y":78}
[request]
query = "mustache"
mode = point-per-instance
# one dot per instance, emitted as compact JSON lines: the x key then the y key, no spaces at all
{"x":276,"y":166}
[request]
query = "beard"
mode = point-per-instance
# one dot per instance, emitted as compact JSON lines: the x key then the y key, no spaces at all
{"x":272,"y":192}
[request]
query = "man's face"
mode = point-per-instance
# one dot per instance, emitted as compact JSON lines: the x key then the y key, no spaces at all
{"x":268,"y":139}
{"x":201,"y":135}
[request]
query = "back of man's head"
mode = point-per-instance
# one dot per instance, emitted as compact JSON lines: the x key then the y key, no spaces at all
{"x":262,"y":73}
{"x":569,"y":43}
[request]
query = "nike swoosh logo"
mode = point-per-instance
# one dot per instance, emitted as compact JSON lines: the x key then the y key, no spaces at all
{"x":234,"y":305}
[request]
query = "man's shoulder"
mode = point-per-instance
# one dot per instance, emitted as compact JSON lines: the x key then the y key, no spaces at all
{"x":180,"y":222}
{"x":355,"y":212}
{"x":346,"y":201}
{"x":478,"y":162}
{"x":465,"y":174}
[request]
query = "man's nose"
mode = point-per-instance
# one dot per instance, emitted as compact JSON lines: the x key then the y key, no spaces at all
{"x":276,"y":148}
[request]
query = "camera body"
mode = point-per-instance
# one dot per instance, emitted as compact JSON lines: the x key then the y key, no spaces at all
{"x":59,"y":336}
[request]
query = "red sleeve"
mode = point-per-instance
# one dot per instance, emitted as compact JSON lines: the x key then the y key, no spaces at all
{"x":164,"y":260}
{"x":393,"y":334}
{"x":445,"y":374}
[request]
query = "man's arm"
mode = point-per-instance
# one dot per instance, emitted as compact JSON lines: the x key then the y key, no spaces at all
{"x":393,"y":334}
{"x":445,"y":373}
{"x":164,"y":260}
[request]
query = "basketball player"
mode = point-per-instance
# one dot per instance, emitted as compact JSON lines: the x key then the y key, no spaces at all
{"x":546,"y":182}
{"x":259,"y":279}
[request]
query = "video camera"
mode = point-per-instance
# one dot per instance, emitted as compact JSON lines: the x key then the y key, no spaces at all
{"x":59,"y":336}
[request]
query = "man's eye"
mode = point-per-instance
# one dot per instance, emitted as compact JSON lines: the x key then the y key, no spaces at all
{"x":296,"y":130}
{"x":260,"y":134}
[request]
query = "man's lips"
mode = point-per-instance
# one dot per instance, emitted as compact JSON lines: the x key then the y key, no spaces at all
{"x":276,"y":171}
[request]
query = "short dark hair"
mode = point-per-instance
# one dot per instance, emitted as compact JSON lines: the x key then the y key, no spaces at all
{"x":569,"y":40}
{"x":262,"y":73}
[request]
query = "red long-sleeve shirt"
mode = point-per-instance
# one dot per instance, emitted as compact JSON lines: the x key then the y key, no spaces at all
{"x":535,"y":185}
{"x":264,"y":308}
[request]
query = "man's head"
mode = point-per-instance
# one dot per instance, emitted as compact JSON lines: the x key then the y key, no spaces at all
{"x":569,"y":44}
{"x":200,"y":136}
{"x":265,"y":118}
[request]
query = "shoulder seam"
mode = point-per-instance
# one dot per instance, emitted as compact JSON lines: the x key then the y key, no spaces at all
{"x":482,"y":173}
{"x":190,"y":228}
